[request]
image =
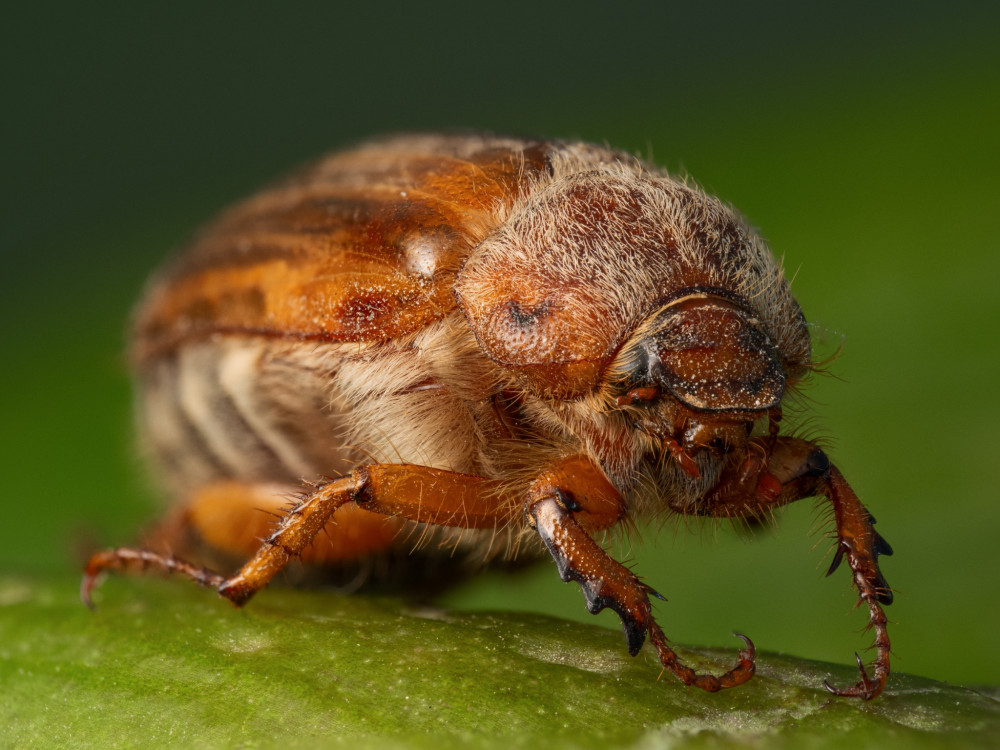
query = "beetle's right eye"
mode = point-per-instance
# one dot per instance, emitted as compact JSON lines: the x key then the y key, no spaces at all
{"x":632,"y":379}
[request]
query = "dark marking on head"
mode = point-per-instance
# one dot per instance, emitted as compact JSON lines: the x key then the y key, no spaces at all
{"x":526,"y":317}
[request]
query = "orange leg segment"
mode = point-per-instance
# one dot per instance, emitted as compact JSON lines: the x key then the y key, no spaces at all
{"x":798,"y":469}
{"x":416,"y":493}
{"x":575,"y":498}
{"x":232,"y":518}
{"x":862,"y":545}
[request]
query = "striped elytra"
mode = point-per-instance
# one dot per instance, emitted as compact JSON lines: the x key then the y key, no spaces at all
{"x":430,"y":352}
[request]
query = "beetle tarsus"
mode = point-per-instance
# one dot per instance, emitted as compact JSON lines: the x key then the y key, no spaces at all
{"x":866,"y":688}
{"x":861,"y":545}
{"x":743,"y":671}
{"x":127,"y":559}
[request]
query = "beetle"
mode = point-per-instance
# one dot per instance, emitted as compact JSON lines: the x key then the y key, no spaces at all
{"x":485,"y":346}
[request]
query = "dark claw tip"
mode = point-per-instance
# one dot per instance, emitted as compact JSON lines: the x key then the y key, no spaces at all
{"x":837,"y":559}
{"x":750,"y":647}
{"x":882,"y":547}
{"x":653,"y":592}
{"x":849,"y":692}
{"x":861,"y":666}
{"x":635,"y":635}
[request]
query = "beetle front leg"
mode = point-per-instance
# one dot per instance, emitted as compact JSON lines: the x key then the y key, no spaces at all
{"x":858,"y":541}
{"x":576,"y":498}
{"x":798,"y":469}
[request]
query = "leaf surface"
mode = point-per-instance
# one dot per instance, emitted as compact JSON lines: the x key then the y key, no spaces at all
{"x":159,"y":663}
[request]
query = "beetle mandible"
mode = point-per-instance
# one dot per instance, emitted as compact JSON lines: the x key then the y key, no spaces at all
{"x":490,"y":345}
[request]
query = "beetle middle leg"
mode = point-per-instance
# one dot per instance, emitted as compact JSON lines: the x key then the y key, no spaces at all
{"x":797,"y":469}
{"x":575,"y":499}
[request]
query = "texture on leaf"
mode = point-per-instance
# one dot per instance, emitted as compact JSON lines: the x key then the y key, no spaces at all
{"x":163,"y":664}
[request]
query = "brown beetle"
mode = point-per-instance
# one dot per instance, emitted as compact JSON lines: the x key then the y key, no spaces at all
{"x":500,"y":341}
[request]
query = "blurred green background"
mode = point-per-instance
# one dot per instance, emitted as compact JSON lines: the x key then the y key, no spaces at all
{"x":862,"y":139}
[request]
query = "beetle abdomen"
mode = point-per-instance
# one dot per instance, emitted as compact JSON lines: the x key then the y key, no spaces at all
{"x":239,"y":408}
{"x":257,"y":409}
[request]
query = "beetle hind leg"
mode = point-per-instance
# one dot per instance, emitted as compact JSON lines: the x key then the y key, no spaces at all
{"x":128,"y":559}
{"x":228,"y":512}
{"x":386,"y":495}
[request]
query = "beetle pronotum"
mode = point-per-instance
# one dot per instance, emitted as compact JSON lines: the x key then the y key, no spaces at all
{"x":505,"y":345}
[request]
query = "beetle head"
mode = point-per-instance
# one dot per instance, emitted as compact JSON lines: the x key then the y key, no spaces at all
{"x":601,"y":273}
{"x":706,"y":368}
{"x":709,"y":353}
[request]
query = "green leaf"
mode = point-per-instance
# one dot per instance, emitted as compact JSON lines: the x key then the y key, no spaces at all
{"x":160,"y":663}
